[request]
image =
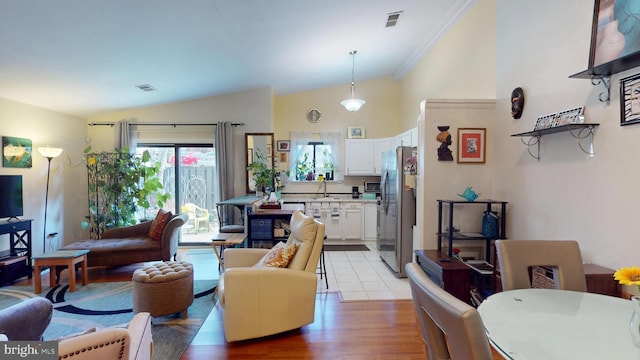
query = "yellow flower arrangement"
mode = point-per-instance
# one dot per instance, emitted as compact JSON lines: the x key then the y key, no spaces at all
{"x":628,"y":276}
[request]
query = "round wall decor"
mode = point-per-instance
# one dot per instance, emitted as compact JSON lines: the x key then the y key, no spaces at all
{"x":314,"y":115}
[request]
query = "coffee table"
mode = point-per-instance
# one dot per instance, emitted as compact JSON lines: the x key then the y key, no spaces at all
{"x":68,"y":258}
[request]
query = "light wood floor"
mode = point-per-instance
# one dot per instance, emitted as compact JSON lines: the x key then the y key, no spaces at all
{"x":385,"y":329}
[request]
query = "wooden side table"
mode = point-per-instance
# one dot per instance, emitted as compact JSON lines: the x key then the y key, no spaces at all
{"x":224,"y":240}
{"x":68,"y":258}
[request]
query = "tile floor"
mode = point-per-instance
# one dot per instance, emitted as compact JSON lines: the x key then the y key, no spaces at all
{"x":361,"y":275}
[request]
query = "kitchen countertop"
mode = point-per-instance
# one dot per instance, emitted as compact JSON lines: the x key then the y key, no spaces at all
{"x":338,"y":198}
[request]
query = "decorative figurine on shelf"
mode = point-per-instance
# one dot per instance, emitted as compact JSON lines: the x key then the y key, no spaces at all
{"x":444,"y":153}
{"x":517,"y":102}
{"x":469,"y":194}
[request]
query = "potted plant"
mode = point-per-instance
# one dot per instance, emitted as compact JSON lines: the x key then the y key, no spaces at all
{"x":303,"y":167}
{"x":263,"y":176}
{"x":120,"y":184}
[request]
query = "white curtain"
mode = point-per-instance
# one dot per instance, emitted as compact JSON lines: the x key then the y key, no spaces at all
{"x":299,"y":140}
{"x":334,"y":139}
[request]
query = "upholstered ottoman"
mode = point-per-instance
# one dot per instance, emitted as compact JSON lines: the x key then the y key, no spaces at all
{"x":163,"y":288}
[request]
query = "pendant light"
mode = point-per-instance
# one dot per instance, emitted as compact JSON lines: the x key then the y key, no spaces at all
{"x":353,"y":104}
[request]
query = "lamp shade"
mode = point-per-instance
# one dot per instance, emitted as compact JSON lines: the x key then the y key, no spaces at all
{"x":353,"y":104}
{"x":50,"y":152}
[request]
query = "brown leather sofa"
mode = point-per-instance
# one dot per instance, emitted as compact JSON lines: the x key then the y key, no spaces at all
{"x":132,"y":244}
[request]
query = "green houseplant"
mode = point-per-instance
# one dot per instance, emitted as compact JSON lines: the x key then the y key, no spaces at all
{"x":262,"y":175}
{"x":303,"y":166}
{"x":120,"y":184}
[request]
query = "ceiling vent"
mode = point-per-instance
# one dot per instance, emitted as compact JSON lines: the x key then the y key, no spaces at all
{"x":392,"y":18}
{"x":146,"y":87}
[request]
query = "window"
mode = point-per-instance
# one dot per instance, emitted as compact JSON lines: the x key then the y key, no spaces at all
{"x":311,"y":157}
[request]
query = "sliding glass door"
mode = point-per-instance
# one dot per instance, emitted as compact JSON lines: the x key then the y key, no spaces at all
{"x":188,"y":173}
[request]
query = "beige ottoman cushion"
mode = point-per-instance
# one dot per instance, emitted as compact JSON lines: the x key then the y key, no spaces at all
{"x":163,"y":288}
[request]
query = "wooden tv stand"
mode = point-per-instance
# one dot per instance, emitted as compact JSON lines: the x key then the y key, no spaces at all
{"x":16,"y":262}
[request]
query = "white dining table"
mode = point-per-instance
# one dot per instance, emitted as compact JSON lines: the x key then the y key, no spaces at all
{"x":546,"y":324}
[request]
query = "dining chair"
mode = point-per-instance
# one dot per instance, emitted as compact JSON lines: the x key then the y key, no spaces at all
{"x":517,"y":257}
{"x":451,"y":328}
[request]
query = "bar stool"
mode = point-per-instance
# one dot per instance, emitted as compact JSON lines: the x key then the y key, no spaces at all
{"x":322,"y":266}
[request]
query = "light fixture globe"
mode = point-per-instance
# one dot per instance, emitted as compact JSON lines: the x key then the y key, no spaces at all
{"x":353,"y":104}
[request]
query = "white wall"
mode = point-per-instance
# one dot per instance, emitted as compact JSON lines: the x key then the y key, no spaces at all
{"x":565,"y":195}
{"x":457,"y":79}
{"x":68,"y":175}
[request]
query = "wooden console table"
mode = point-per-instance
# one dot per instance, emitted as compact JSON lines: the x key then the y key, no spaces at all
{"x":263,"y":225}
{"x":452,"y":275}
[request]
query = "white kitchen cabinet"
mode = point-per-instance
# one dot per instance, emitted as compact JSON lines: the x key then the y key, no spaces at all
{"x":379,"y":146}
{"x":329,"y":214}
{"x":370,"y":221}
{"x":352,"y":224}
{"x":332,"y":220}
{"x":358,"y":159}
{"x":407,"y":138}
{"x":414,"y":136}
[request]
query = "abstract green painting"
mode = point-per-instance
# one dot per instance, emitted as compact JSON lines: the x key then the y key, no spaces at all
{"x":16,"y":152}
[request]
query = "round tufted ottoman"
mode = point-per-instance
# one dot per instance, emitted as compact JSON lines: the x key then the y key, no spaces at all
{"x":164,"y":288}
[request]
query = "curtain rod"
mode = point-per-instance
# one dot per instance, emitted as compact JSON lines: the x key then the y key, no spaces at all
{"x":163,"y":124}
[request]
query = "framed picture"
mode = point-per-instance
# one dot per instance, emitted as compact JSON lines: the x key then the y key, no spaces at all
{"x":355,"y":132}
{"x":546,"y":121}
{"x":283,"y":157}
{"x":283,"y":145}
{"x":613,"y":34}
{"x":16,"y":152}
{"x":472,"y":145}
{"x":630,"y":100}
{"x":571,"y":116}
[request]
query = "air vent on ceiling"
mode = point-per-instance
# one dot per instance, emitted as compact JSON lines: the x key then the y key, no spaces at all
{"x":392,"y":18}
{"x":146,"y":87}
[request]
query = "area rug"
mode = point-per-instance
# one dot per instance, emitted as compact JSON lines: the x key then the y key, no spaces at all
{"x":102,"y":305}
{"x":346,"y":247}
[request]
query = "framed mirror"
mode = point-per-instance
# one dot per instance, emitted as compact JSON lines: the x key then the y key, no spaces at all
{"x":258,"y":150}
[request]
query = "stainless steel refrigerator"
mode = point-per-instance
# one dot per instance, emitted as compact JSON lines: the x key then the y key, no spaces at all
{"x":396,"y":210}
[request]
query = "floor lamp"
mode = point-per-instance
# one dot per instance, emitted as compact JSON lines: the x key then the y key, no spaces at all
{"x":48,"y":153}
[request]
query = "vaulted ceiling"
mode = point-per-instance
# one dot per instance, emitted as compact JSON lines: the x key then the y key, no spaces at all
{"x":86,"y":57}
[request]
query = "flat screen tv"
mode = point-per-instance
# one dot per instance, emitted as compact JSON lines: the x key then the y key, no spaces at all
{"x":10,"y":196}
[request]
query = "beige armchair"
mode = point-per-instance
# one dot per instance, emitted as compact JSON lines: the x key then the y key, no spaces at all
{"x":134,"y":342}
{"x":197,"y":216}
{"x":261,"y":301}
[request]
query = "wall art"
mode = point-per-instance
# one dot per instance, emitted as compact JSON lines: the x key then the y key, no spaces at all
{"x":630,"y":100}
{"x":16,"y":152}
{"x":472,"y":145}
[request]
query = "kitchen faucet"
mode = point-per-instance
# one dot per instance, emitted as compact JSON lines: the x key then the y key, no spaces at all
{"x":324,"y":182}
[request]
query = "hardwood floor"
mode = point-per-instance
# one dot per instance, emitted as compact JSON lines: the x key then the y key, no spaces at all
{"x":348,"y":330}
{"x":376,"y":329}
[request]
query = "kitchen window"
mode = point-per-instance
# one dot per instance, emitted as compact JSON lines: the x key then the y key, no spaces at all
{"x":315,"y":154}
